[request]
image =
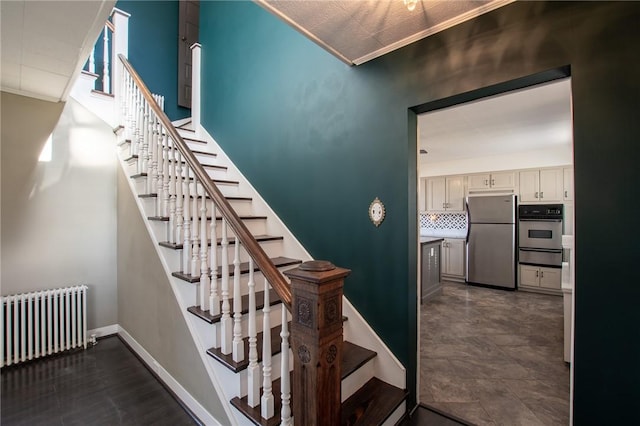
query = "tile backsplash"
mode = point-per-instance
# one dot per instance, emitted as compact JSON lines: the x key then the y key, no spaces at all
{"x":449,"y":221}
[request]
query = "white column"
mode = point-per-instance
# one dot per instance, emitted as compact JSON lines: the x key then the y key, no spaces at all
{"x":119,"y":44}
{"x":106,"y":80}
{"x":195,"y":87}
{"x":186,"y":226}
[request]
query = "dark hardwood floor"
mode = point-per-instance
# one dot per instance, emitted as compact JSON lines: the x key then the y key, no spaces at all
{"x":104,"y":385}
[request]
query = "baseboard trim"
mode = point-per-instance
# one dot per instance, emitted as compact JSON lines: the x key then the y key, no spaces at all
{"x":104,"y":331}
{"x":194,"y":408}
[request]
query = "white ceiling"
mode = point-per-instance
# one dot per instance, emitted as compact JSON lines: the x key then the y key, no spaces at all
{"x":531,"y":119}
{"x":44,"y":44}
{"x":357,"y":31}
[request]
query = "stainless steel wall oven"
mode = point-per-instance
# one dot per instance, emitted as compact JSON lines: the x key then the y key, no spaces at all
{"x":540,"y":234}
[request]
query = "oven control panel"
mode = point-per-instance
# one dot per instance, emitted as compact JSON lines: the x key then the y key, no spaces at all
{"x":540,"y":211}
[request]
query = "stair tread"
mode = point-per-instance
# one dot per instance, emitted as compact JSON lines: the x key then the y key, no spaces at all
{"x":220,"y":181}
{"x":274,"y":299}
{"x":253,"y":413}
{"x":372,"y":403}
{"x":243,"y":217}
{"x":259,"y":238}
{"x":188,"y":139}
{"x":354,"y":357}
{"x":200,"y":152}
{"x":229,"y":197}
{"x":279,"y":262}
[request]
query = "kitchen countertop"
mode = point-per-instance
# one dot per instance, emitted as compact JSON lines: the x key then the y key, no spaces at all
{"x":443,"y":233}
{"x":430,"y":240}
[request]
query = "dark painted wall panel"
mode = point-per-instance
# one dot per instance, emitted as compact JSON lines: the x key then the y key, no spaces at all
{"x":153,"y":48}
{"x":320,"y":140}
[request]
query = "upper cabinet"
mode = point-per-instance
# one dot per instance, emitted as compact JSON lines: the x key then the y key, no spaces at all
{"x":497,"y":180}
{"x":545,"y":185}
{"x":568,"y":183}
{"x":445,"y":194}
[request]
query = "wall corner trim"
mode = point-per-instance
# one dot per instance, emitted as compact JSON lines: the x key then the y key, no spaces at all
{"x":187,"y":399}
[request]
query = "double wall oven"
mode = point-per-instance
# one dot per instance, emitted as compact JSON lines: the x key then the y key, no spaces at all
{"x":540,"y":235}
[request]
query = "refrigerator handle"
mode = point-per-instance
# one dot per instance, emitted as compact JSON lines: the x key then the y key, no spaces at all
{"x":466,"y":205}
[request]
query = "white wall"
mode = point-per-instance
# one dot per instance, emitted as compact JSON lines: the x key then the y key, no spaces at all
{"x":560,"y":156}
{"x":59,"y":217}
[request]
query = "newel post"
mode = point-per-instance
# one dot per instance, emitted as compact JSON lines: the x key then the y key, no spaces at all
{"x":316,"y":336}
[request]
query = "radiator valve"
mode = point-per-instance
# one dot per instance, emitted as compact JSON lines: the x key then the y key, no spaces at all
{"x":92,"y":340}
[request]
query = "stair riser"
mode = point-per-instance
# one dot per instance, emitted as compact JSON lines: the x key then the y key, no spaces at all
{"x":357,"y":379}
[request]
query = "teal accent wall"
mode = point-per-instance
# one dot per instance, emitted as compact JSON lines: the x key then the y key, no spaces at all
{"x":153,"y":48}
{"x":320,"y":140}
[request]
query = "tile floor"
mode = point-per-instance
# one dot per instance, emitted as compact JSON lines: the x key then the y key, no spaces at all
{"x":494,"y":357}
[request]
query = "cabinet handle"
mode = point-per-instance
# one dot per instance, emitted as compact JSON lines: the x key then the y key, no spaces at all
{"x":536,"y":274}
{"x":541,"y":274}
{"x":566,"y":194}
{"x":486,"y":182}
{"x":541,"y":196}
{"x":536,"y":195}
{"x":493,"y":182}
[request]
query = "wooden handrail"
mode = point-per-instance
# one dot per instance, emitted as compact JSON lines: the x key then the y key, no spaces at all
{"x":268,"y":269}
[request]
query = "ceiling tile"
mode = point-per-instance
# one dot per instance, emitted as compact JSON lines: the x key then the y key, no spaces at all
{"x":43,"y":82}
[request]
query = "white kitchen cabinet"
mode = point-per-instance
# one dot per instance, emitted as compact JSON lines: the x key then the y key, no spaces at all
{"x":567,"y":182}
{"x":445,"y":194}
{"x":545,"y":185}
{"x":541,"y":277}
{"x":453,"y":258}
{"x":496,"y":180}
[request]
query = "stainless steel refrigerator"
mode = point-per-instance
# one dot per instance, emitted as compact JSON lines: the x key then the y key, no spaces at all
{"x":491,"y":240}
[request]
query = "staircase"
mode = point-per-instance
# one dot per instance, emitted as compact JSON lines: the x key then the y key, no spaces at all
{"x":239,"y":297}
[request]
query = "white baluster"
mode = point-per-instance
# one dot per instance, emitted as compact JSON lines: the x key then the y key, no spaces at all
{"x":285,"y":378}
{"x":179,"y":198}
{"x":195,"y":239}
{"x":172,"y":194}
{"x":165,"y":178}
{"x":205,"y":285}
{"x":146,"y":137}
{"x":160,"y":173}
{"x":106,"y":83}
{"x":138,"y":141}
{"x":92,"y":62}
{"x":266,"y":402}
{"x":253,"y":370}
{"x":214,"y":299}
{"x":238,"y":343}
{"x":225,"y":321}
{"x":186,"y":227}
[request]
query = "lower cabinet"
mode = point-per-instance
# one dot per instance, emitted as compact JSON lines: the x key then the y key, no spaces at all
{"x":548,"y":280}
{"x":453,"y":259}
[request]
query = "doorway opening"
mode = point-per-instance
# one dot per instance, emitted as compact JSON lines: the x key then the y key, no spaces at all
{"x":487,"y":354}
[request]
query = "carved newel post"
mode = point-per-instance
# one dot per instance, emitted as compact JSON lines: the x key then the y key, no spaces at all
{"x":316,"y":336}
